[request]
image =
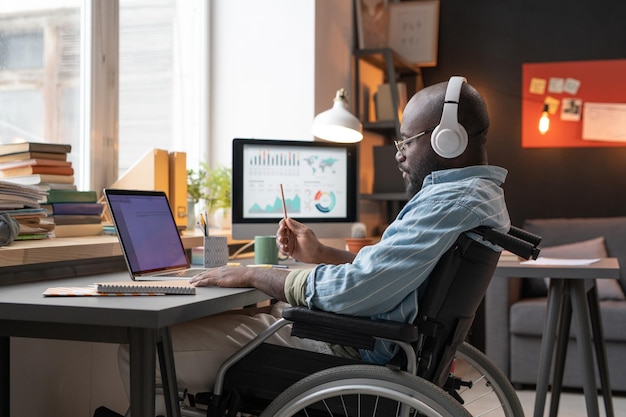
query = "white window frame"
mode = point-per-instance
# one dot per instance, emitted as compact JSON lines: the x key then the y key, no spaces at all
{"x":99,"y":103}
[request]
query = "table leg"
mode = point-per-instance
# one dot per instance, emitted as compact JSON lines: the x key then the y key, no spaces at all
{"x":555,"y":299}
{"x":580,"y":310}
{"x":168,"y":373}
{"x":598,"y":338}
{"x":5,"y":376}
{"x":562,"y":338}
{"x":142,"y":371}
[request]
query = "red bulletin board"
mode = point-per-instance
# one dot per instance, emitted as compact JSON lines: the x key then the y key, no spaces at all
{"x":586,"y":82}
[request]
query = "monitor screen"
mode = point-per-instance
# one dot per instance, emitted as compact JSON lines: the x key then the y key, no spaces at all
{"x":319,"y":181}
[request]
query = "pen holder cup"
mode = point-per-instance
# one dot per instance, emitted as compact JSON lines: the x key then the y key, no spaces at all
{"x":215,"y":251}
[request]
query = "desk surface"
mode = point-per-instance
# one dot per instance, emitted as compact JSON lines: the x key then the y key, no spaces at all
{"x":25,"y":302}
{"x":604,"y":268}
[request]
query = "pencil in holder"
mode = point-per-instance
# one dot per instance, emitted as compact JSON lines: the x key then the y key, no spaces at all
{"x":215,"y":251}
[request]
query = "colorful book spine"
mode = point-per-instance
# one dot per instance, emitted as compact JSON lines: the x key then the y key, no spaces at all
{"x":70,"y":196}
{"x":72,"y":208}
{"x":36,"y":169}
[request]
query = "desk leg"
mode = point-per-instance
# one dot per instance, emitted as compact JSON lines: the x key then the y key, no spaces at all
{"x":562,"y":338}
{"x":598,"y":338}
{"x":580,"y":310}
{"x":168,"y":373}
{"x":142,"y":371}
{"x":555,"y":299}
{"x":5,"y":376}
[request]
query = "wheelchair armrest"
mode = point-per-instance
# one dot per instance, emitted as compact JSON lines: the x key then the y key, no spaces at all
{"x":359,"y":332}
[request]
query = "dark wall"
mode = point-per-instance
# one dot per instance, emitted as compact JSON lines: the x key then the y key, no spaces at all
{"x":487,"y":41}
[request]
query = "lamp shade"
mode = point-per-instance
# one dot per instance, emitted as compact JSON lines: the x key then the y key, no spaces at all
{"x":338,"y":124}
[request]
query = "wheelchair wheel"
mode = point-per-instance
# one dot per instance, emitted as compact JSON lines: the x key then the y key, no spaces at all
{"x":365,"y":391}
{"x":491,"y":393}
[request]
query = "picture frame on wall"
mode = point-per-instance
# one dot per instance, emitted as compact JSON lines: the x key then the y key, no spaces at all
{"x":414,"y":31}
{"x":372,"y":20}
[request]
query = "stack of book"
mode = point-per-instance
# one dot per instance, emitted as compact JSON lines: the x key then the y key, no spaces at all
{"x":73,"y":213}
{"x":22,"y":203}
{"x":43,"y":165}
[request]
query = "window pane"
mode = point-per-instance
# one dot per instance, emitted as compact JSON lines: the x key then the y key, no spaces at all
{"x":21,"y":50}
{"x":160,"y":52}
{"x":40,"y":72}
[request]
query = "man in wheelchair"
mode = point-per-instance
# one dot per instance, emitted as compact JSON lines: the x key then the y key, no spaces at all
{"x":442,"y":157}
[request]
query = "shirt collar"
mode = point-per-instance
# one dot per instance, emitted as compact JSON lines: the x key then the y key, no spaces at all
{"x":493,"y":173}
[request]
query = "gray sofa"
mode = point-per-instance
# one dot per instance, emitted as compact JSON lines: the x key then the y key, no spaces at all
{"x":515,"y":308}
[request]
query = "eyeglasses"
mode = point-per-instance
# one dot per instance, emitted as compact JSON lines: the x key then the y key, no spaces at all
{"x":400,"y":143}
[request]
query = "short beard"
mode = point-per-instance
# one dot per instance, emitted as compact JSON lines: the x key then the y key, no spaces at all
{"x":415,"y":179}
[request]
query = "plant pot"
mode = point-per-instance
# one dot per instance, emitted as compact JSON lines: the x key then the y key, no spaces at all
{"x":354,"y":244}
{"x":221,"y":218}
{"x":191,"y":214}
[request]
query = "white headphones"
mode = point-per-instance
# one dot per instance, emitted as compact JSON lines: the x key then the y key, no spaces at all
{"x":449,"y":139}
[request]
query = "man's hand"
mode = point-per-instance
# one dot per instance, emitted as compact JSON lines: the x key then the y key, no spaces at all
{"x":298,"y":241}
{"x":269,"y":280}
{"x":225,"y":276}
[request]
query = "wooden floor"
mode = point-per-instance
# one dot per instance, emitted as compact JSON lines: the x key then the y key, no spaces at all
{"x":571,"y":404}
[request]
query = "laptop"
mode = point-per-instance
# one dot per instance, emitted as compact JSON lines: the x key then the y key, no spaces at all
{"x":148,"y":235}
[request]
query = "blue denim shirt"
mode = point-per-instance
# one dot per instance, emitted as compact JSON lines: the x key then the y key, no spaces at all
{"x":383,"y":280}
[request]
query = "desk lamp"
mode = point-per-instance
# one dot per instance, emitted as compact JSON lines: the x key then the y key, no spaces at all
{"x":338,"y":124}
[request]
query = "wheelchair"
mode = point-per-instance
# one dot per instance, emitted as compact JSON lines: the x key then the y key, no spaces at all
{"x":437,"y":374}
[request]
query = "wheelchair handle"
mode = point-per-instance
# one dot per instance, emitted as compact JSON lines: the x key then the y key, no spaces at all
{"x":514,"y":241}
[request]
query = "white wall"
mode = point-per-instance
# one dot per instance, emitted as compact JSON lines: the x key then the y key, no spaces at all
{"x":270,"y":63}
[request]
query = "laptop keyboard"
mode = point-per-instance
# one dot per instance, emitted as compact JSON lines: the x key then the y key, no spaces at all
{"x":183,"y":274}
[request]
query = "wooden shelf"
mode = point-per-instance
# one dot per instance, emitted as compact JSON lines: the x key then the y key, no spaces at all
{"x":376,"y":57}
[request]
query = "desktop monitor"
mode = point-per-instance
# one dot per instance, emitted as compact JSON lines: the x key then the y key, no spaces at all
{"x":319,"y":180}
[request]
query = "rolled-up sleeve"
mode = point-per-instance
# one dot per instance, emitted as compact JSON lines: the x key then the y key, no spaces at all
{"x":295,"y":287}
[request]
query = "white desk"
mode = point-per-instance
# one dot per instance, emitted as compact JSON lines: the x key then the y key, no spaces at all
{"x":142,"y":322}
{"x":572,"y":291}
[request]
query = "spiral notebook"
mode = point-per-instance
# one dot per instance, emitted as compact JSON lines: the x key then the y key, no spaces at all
{"x":160,"y":287}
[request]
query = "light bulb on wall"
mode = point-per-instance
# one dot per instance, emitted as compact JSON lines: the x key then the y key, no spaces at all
{"x":544,"y":121}
{"x":338,"y":124}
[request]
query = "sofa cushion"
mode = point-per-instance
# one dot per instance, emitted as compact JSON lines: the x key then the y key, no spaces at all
{"x":608,"y":289}
{"x":527,"y":318}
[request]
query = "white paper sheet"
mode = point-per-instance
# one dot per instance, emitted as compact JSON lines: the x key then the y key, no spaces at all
{"x":557,"y":261}
{"x":604,"y":121}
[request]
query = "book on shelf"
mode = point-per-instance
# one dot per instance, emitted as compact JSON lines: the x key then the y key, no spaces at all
{"x":62,"y":219}
{"x":36,"y":169}
{"x":72,"y":208}
{"x":165,"y":287}
{"x":11,"y":148}
{"x":34,"y":162}
{"x":47,"y":186}
{"x":22,"y":156}
{"x":41,"y":178}
{"x":77,"y":230}
{"x":71,"y":196}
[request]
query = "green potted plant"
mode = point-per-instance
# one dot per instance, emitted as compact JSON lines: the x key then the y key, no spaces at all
{"x":218,"y":183}
{"x":195,"y":194}
{"x":212,"y":186}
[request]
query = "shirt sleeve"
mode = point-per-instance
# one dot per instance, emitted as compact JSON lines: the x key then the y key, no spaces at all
{"x":295,"y":287}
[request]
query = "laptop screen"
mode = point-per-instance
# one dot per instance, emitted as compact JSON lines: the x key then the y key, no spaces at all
{"x":146,"y":230}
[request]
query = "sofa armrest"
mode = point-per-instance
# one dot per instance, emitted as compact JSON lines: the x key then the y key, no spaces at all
{"x":501,"y":293}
